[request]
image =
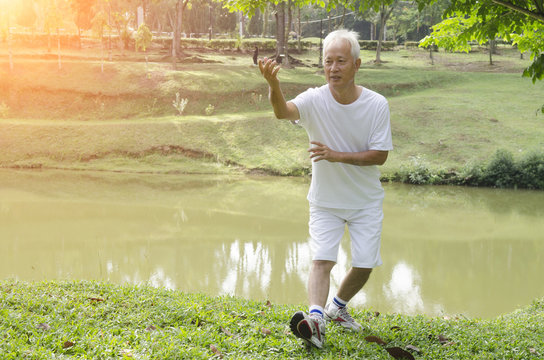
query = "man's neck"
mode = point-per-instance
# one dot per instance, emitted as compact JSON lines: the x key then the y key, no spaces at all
{"x":347,"y":95}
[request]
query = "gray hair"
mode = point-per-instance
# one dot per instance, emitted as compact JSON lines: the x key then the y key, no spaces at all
{"x":350,"y":36}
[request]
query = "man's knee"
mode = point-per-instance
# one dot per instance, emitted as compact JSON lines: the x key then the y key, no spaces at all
{"x":361,"y":273}
{"x":323,"y":266}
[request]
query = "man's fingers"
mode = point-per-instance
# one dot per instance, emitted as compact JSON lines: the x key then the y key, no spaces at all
{"x":275,"y":71}
{"x":269,"y":68}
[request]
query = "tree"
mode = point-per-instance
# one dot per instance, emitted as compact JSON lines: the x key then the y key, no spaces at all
{"x":519,"y":21}
{"x":27,"y":15}
{"x":282,"y":13}
{"x":176,"y":33}
{"x":99,"y":23}
{"x":82,"y":15}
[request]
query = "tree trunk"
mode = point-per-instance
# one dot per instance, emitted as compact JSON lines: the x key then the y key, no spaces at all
{"x":9,"y":48}
{"x":492,"y":45}
{"x":79,"y":37}
{"x":58,"y":48}
{"x":385,"y":12}
{"x":211,"y":22}
{"x":288,"y":30}
{"x":265,"y":22}
{"x":280,"y":32}
{"x":299,"y":31}
{"x":176,"y":40}
{"x":343,"y":16}
{"x":380,"y":36}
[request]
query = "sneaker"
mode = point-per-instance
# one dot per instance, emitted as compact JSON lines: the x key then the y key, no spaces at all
{"x":311,"y":329}
{"x":341,"y":317}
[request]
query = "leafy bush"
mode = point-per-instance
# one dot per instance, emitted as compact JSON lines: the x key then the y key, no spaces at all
{"x":531,"y":171}
{"x":411,"y":44}
{"x":502,"y":171}
{"x":373,"y":45}
{"x":193,"y":43}
{"x":4,"y":110}
{"x":143,"y":37}
{"x":222,"y":44}
{"x":180,"y":103}
{"x":262,"y":44}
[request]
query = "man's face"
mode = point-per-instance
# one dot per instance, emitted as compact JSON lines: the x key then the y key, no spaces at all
{"x":340,"y":67}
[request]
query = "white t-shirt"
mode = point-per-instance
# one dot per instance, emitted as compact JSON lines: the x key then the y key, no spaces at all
{"x":360,"y":126}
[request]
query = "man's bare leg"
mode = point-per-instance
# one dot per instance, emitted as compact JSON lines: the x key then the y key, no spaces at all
{"x":353,"y":282}
{"x":319,"y":282}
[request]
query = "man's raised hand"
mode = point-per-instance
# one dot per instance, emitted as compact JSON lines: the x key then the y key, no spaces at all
{"x":269,"y":69}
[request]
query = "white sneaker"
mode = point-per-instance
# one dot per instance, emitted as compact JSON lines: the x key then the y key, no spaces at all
{"x":311,"y":329}
{"x":341,"y":317}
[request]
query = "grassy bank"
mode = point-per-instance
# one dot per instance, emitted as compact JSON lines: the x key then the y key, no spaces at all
{"x":448,"y":116}
{"x":87,"y":320}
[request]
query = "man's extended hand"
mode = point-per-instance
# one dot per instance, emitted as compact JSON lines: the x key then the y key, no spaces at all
{"x":322,"y":152}
{"x":363,"y":158}
{"x":269,"y":69}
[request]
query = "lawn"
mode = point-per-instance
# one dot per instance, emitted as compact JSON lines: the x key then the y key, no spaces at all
{"x":87,"y":320}
{"x":459,"y":111}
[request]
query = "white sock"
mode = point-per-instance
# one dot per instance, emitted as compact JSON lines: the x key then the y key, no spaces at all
{"x":338,"y":303}
{"x":316,"y":310}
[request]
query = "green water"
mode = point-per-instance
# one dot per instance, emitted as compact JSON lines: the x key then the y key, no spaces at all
{"x":476,"y":252}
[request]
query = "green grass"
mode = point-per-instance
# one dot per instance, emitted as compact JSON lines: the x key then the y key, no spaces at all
{"x":455,"y":113}
{"x":87,"y":320}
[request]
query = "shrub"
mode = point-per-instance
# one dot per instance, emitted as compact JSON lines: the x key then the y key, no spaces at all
{"x":180,"y":103}
{"x":4,"y":110}
{"x":262,"y":44}
{"x":222,"y":44}
{"x":209,"y":109}
{"x":531,"y":171}
{"x":411,"y":44}
{"x":373,"y":45}
{"x":143,"y":37}
{"x":501,"y":171}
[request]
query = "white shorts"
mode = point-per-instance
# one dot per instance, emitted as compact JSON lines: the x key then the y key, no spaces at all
{"x":327,"y":228}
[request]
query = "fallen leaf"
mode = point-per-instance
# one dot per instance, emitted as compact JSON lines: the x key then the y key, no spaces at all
{"x":226,"y":332}
{"x":377,"y":313}
{"x":67,"y":344}
{"x":396,"y":328}
{"x":216,"y":351}
{"x":375,"y":339}
{"x":442,"y":339}
{"x":151,"y":328}
{"x":95,"y":299}
{"x":197,"y":322}
{"x":43,"y":326}
{"x":269,"y":304}
{"x":399,"y":353}
{"x":126,"y":353}
{"x":266,"y":331}
{"x":413,"y":348}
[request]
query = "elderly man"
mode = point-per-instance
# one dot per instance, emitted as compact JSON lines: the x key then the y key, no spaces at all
{"x":350,"y":135}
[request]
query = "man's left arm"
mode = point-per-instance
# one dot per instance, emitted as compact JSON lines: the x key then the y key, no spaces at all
{"x":363,"y":158}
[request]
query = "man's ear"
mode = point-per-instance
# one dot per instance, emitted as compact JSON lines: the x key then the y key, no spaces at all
{"x":358,"y":63}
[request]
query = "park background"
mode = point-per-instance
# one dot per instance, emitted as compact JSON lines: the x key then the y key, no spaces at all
{"x":110,"y":136}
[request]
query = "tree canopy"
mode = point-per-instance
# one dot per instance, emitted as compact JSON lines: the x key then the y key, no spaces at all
{"x":519,"y":21}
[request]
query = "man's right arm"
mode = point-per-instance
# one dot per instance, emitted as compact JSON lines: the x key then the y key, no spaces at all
{"x":282,"y":109}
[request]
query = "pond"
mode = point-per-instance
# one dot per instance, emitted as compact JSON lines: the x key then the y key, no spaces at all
{"x":446,"y":250}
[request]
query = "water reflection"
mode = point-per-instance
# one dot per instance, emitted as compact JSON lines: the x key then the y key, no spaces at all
{"x":403,"y":291}
{"x":445,"y":250}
